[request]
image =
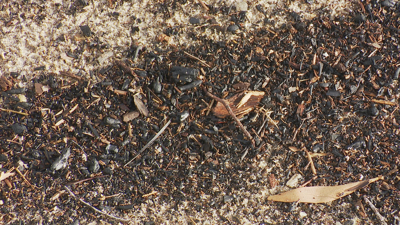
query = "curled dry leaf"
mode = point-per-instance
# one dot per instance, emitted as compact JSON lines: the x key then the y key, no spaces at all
{"x":140,"y":105}
{"x":241,"y":104}
{"x":321,"y":194}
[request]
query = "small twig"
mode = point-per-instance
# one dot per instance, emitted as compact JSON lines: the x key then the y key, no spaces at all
{"x":232,"y":114}
{"x":195,"y":58}
{"x":150,"y":142}
{"x":204,"y":5}
{"x":380,"y":217}
{"x":94,"y":208}
{"x":23,"y":177}
{"x":84,"y":180}
{"x":127,"y":69}
{"x":12,"y":111}
{"x":314,"y":171}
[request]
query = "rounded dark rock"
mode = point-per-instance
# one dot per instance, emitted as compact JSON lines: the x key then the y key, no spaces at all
{"x":233,"y":28}
{"x":18,"y":128}
{"x":194,"y":20}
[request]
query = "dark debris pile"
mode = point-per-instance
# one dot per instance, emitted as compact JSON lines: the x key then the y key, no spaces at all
{"x":331,"y":87}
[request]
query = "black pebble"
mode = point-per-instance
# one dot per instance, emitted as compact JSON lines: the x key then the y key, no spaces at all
{"x":18,"y":128}
{"x":194,"y":20}
{"x":86,"y":30}
{"x":233,"y":28}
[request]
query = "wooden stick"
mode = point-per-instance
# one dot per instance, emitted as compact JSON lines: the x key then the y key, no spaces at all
{"x":94,"y":208}
{"x":196,"y":58}
{"x":150,"y":142}
{"x":232,"y":114}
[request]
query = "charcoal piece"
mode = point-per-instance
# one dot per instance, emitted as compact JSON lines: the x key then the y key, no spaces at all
{"x":125,"y":85}
{"x":372,"y":60}
{"x":126,"y":207}
{"x":94,"y":166}
{"x":141,"y":73}
{"x":62,"y":161}
{"x":333,"y":93}
{"x":107,"y":171}
{"x":184,"y":74}
{"x":388,"y":3}
{"x":228,"y":198}
{"x":39,"y":68}
{"x":3,"y":158}
{"x":86,"y":30}
{"x":191,"y":85}
{"x":94,"y":131}
{"x":373,"y":111}
{"x":18,"y":128}
{"x":17,"y":91}
{"x":359,"y":18}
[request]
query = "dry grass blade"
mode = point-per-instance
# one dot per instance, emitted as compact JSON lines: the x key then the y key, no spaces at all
{"x":321,"y":194}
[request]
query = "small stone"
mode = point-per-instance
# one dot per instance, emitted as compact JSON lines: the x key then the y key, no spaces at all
{"x":18,"y":128}
{"x":86,"y":30}
{"x":62,"y":161}
{"x":228,"y":198}
{"x":292,"y":182}
{"x":184,"y":115}
{"x":233,"y":28}
{"x":194,"y":20}
{"x":111,"y":149}
{"x":94,"y":166}
{"x":157,"y":86}
{"x":113,"y":122}
{"x":302,"y":214}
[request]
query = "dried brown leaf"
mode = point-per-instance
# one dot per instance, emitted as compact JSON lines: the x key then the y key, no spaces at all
{"x":140,"y":105}
{"x":321,"y":194}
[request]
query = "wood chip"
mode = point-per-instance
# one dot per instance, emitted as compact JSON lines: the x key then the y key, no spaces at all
{"x":241,"y":104}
